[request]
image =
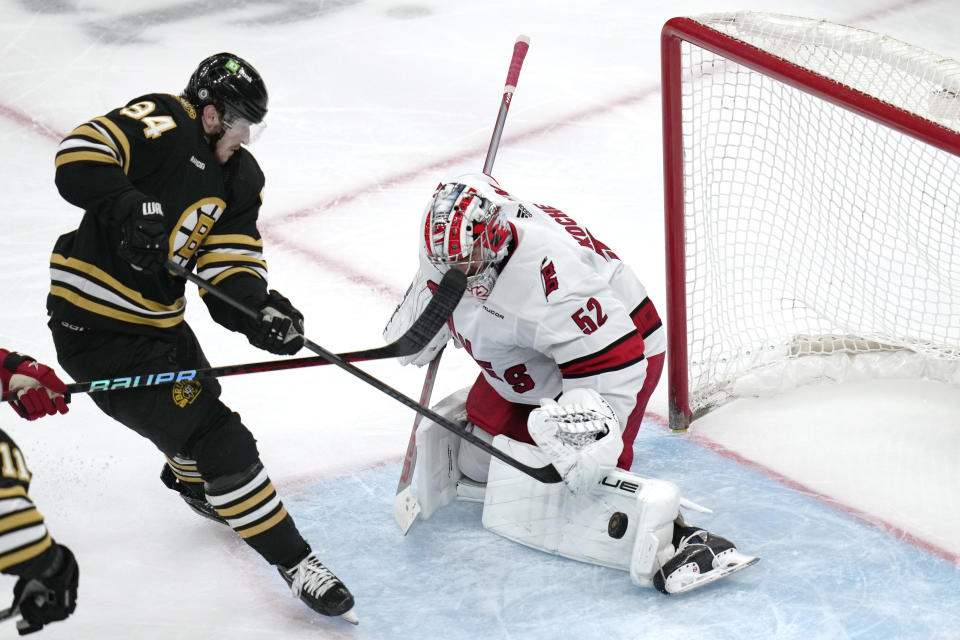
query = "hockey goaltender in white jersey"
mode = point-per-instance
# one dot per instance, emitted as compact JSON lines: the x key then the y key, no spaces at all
{"x":570,"y":349}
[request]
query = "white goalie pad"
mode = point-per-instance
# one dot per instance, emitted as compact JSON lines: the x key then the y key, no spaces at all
{"x":658,"y":503}
{"x":414,"y":301}
{"x":475,"y":462}
{"x":438,"y":469}
{"x":625,"y":521}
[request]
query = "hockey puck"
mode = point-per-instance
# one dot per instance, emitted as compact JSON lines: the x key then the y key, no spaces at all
{"x":617,"y":525}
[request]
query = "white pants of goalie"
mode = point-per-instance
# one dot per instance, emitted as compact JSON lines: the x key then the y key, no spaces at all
{"x":624,"y":522}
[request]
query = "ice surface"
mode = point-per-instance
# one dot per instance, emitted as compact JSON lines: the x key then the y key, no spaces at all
{"x":849,"y":495}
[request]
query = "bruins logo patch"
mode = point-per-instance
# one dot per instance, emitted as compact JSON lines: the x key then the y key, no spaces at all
{"x":188,"y":108}
{"x":185,"y":392}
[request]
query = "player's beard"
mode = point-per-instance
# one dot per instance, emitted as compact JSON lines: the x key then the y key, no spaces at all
{"x":213,"y":139}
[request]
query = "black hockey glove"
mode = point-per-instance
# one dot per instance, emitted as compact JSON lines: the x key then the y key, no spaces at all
{"x":280,"y":329}
{"x":50,"y":595}
{"x":144,"y":238}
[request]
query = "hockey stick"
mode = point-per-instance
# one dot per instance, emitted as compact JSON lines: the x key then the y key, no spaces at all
{"x":406,"y":508}
{"x":520,"y":48}
{"x":546,"y":474}
{"x":12,"y":612}
{"x":9,"y":612}
{"x":23,"y":626}
{"x":415,"y":338}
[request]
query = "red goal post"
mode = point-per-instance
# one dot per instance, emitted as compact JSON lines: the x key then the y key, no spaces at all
{"x":812,"y":207}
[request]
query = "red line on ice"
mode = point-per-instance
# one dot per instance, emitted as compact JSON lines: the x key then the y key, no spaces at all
{"x":29,"y":122}
{"x":874,"y":521}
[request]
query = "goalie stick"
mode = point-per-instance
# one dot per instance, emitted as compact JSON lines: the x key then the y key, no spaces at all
{"x":406,"y":508}
{"x":546,"y":474}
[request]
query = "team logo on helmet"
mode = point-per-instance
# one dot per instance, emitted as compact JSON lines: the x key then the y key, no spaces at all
{"x":495,"y":233}
{"x":229,"y":83}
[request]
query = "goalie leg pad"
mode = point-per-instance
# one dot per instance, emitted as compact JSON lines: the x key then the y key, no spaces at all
{"x":438,"y":452}
{"x":658,"y":503}
{"x":475,"y":462}
{"x":625,"y":521}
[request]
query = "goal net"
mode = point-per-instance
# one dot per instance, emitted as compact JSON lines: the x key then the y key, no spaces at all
{"x":812,"y":206}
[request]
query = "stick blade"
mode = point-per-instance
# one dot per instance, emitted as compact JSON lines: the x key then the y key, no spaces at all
{"x":405,"y":509}
{"x":445,"y":300}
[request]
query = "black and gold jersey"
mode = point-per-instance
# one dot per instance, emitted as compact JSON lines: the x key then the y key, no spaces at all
{"x":153,"y":147}
{"x":23,"y":534}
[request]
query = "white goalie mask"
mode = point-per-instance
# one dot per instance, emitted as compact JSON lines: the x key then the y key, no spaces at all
{"x":464,"y":230}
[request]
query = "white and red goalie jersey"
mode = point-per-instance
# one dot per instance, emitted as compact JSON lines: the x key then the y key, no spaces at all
{"x":564,"y":312}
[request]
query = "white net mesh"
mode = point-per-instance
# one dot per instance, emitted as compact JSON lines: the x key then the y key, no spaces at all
{"x":808,"y":225}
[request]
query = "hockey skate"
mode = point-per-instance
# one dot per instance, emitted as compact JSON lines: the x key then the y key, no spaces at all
{"x":194,"y":497}
{"x":701,"y":558}
{"x":319,"y":589}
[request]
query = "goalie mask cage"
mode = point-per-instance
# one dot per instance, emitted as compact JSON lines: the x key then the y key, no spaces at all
{"x":811,"y":205}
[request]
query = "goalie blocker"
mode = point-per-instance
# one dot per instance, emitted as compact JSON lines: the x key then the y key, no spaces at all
{"x":600,"y":514}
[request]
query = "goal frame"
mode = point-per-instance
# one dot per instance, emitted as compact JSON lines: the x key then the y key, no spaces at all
{"x":683,"y":29}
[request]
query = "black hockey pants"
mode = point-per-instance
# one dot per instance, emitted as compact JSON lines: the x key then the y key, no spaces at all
{"x":186,"y":418}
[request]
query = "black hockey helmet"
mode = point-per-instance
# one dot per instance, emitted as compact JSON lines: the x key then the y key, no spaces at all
{"x":231,"y":84}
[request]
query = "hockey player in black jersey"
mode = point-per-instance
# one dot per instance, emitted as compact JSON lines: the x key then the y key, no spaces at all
{"x":47,"y":572}
{"x":168,"y":177}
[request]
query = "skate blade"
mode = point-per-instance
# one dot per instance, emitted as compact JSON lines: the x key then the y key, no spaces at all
{"x":350,"y":617}
{"x":742,"y":562}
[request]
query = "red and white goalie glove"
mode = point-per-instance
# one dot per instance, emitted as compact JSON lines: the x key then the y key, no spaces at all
{"x":581,"y":435}
{"x":415,"y":300}
{"x":39,"y":390}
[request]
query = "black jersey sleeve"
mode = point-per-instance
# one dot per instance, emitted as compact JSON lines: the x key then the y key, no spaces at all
{"x":23,"y":534}
{"x":97,"y":163}
{"x":231,"y":257}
